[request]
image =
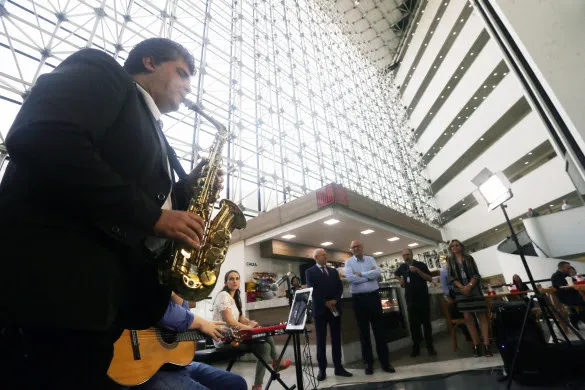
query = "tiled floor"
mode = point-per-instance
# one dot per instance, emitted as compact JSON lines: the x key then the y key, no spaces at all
{"x":447,"y":361}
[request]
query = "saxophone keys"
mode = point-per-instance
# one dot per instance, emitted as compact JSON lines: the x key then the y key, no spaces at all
{"x":215,"y":255}
{"x":208,"y":278}
{"x":191,"y":281}
{"x":220,"y":237}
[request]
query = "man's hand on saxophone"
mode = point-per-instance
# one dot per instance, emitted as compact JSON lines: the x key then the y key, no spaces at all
{"x":195,"y":174}
{"x":180,"y":226}
{"x":183,"y":226}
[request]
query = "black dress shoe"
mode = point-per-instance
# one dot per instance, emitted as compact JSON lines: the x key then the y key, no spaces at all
{"x":432,"y":351}
{"x":415,"y":352}
{"x":321,"y":376}
{"x":343,"y":372}
{"x":369,"y":370}
{"x":389,"y":369}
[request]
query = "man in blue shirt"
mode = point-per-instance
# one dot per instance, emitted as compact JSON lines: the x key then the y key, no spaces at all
{"x":195,"y":376}
{"x":362,"y":272}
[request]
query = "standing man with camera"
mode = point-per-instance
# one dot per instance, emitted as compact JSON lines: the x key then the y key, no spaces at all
{"x":413,"y":276}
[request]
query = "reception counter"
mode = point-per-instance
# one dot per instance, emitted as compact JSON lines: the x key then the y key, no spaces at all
{"x":395,"y":319}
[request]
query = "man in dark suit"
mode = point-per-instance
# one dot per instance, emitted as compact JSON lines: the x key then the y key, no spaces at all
{"x":89,"y":183}
{"x":327,"y":290}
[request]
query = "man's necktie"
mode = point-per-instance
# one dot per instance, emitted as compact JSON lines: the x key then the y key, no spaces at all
{"x":324,"y":271}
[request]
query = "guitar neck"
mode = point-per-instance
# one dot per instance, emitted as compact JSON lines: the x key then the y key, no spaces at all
{"x":190,"y":335}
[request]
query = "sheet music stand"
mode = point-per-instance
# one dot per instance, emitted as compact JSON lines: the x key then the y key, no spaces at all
{"x":297,"y":319}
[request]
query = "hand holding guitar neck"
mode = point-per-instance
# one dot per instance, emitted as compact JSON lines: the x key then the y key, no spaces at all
{"x":214,"y":329}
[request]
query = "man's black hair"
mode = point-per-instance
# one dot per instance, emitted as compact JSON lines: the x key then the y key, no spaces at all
{"x":161,"y":50}
{"x":561,"y":263}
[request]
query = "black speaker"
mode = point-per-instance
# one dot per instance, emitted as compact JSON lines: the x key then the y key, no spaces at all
{"x":538,"y":363}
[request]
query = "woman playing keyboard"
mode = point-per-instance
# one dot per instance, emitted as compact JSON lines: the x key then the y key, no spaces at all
{"x":228,"y":308}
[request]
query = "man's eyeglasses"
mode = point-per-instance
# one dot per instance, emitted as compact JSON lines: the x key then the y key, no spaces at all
{"x":355,"y":246}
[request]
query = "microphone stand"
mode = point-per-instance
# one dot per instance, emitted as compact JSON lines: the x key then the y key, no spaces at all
{"x":290,"y":293}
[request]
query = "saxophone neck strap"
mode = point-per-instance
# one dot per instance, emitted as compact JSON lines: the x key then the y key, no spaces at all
{"x":174,"y":160}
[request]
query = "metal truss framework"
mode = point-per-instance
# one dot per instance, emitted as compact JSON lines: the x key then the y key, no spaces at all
{"x":303,"y":106}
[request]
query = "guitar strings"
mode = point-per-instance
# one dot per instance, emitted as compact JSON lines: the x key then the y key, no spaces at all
{"x":151,"y":334}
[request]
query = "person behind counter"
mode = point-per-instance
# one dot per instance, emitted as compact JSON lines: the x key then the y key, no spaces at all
{"x":295,"y":283}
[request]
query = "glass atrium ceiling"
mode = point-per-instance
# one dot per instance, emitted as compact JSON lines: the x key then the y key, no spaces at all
{"x":303,"y":106}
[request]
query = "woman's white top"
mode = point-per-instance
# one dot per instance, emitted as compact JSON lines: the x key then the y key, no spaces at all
{"x":222,"y":302}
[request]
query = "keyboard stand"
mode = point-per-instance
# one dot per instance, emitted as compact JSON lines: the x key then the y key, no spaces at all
{"x":295,"y":335}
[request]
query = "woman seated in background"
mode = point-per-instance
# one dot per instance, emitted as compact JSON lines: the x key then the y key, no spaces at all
{"x":227,"y":307}
{"x":520,"y":285}
{"x":464,"y":276}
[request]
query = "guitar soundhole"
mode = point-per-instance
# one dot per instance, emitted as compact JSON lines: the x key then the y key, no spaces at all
{"x":169,"y":337}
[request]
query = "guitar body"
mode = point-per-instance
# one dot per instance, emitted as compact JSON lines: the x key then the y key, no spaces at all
{"x":139,"y":354}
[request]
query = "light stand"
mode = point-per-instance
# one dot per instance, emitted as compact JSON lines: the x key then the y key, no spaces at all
{"x":494,"y":190}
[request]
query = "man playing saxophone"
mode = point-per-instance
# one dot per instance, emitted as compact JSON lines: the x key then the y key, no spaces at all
{"x":90,"y":179}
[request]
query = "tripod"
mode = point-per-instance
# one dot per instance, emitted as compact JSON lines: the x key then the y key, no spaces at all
{"x":295,"y":335}
{"x":549,"y":311}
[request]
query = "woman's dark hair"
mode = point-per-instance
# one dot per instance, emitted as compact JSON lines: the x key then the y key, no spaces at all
{"x":237,"y":297}
{"x":520,"y":285}
{"x":161,"y":50}
{"x":293,"y":278}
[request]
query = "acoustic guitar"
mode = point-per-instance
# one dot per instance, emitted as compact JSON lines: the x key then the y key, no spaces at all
{"x":139,"y":354}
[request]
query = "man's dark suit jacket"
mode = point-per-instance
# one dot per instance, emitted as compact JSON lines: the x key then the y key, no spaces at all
{"x":84,"y":187}
{"x":324,"y":288}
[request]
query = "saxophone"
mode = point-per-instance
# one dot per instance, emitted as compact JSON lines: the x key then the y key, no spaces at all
{"x":191,"y":273}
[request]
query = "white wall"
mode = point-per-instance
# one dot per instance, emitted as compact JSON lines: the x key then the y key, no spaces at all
{"x":487,"y":261}
{"x":550,"y":34}
{"x":490,"y":262}
{"x":540,"y":186}
{"x":436,"y":42}
{"x":416,"y":41}
{"x":558,"y":234}
{"x":467,"y":37}
{"x":278,"y":266}
{"x":500,"y":101}
{"x":481,"y":68}
{"x":509,"y":148}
